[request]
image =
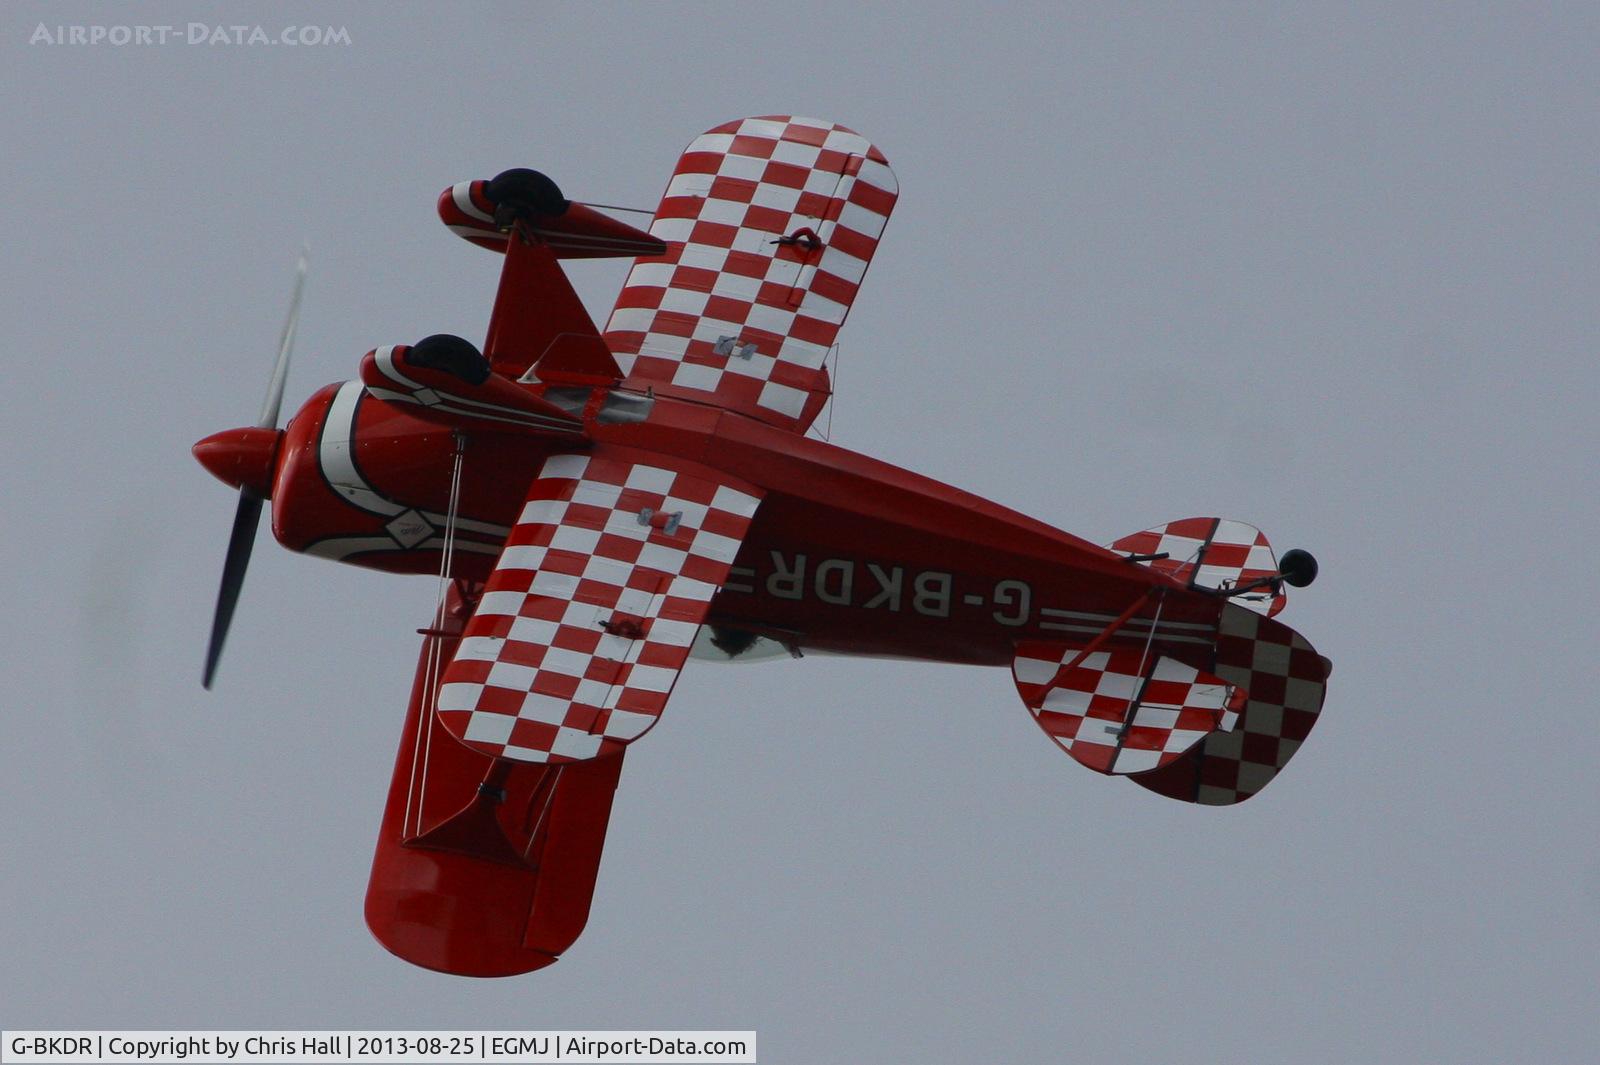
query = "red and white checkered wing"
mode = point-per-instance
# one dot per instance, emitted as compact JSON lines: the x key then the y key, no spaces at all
{"x":594,"y":603}
{"x":770,"y":224}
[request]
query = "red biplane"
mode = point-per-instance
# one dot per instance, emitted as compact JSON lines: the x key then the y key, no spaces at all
{"x":601,"y":506}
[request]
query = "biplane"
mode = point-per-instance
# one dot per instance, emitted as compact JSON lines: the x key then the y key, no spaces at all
{"x":601,"y":505}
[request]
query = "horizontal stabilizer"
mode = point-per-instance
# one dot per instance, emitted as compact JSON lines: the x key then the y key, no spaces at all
{"x":1212,"y":553}
{"x":1122,"y":711}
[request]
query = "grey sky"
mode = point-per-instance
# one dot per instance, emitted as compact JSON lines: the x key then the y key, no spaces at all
{"x":1332,"y":272}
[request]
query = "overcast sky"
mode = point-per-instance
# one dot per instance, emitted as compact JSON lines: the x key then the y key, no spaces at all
{"x":1332,"y":273}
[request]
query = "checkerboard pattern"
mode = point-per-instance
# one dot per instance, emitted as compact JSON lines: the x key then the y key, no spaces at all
{"x":729,"y":311}
{"x":1208,"y":552}
{"x":1286,"y":680}
{"x":467,"y":213}
{"x":1122,"y":711}
{"x":594,"y":603}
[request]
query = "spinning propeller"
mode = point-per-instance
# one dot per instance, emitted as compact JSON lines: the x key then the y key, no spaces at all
{"x":246,"y":459}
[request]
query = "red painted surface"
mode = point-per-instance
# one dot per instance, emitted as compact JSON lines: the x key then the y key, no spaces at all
{"x":479,"y":888}
{"x":241,"y":458}
{"x":486,"y":866}
{"x":823,"y":502}
{"x":456,"y":912}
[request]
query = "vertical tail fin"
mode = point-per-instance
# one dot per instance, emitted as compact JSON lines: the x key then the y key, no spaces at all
{"x":1286,"y":680}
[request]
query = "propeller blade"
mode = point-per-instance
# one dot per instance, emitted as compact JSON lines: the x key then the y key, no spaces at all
{"x":240,"y":544}
{"x":248,"y":515}
{"x":280,"y":371}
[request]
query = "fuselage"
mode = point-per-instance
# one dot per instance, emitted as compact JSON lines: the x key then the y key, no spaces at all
{"x":846,"y":554}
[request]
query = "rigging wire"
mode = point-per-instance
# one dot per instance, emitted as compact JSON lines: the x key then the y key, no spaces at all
{"x":544,"y":807}
{"x":833,"y":390}
{"x":614,"y":207}
{"x":430,"y":685}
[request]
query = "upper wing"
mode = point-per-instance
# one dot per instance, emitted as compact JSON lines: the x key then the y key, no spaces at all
{"x":591,"y":610}
{"x":769,"y":224}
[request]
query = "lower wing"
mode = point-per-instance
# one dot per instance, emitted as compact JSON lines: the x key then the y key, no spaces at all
{"x":483,"y":867}
{"x":593,"y":605}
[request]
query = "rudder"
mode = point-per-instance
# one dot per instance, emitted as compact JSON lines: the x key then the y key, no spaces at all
{"x":1286,"y":680}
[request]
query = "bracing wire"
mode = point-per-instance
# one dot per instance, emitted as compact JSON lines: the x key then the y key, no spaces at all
{"x":432,"y":667}
{"x":544,"y":808}
{"x":614,"y":207}
{"x":833,"y":398}
{"x":1144,"y":681}
{"x":1150,"y":639}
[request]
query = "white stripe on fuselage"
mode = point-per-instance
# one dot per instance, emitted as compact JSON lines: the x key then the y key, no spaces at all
{"x":338,"y":465}
{"x":461,"y":193}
